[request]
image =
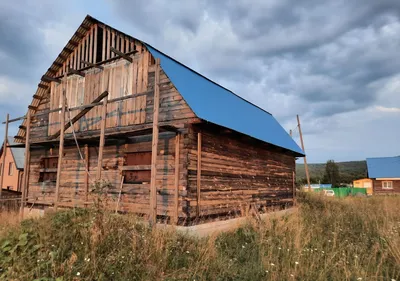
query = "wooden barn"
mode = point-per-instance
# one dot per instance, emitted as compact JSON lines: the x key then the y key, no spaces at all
{"x":171,"y":143}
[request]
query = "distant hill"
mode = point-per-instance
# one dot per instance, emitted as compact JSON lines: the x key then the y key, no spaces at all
{"x":349,"y":171}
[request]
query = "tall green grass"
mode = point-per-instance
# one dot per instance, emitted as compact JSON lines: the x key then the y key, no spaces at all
{"x":325,"y":239}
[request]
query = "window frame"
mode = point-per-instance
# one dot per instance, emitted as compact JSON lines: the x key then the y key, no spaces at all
{"x":10,"y":169}
{"x":387,"y":185}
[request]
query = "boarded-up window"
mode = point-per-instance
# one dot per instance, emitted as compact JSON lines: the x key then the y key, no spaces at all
{"x":141,"y":161}
{"x":49,"y":167}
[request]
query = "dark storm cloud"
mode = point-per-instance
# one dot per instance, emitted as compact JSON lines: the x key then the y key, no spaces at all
{"x":23,"y":53}
{"x":313,"y":38}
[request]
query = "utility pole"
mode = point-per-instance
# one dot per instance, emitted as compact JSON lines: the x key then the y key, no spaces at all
{"x":305,"y":158}
{"x":3,"y":162}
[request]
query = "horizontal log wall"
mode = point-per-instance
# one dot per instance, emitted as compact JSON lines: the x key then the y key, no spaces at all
{"x":236,"y":173}
{"x":135,"y":197}
{"x":378,"y":187}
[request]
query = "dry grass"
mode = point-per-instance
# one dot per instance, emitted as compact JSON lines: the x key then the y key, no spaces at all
{"x":326,"y":239}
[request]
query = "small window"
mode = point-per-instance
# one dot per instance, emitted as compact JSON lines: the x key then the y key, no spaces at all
{"x":49,"y":167}
{"x":10,"y":169}
{"x":142,"y":162}
{"x":387,"y":185}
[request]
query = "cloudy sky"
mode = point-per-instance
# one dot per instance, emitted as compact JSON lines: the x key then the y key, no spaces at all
{"x":335,"y":63}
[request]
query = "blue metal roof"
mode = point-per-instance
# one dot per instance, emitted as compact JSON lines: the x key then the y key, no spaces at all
{"x":384,"y":167}
{"x":216,"y":104}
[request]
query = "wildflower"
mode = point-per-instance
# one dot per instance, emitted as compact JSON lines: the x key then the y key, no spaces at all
{"x":296,"y":262}
{"x":280,"y":248}
{"x":272,"y":264}
{"x":329,"y":241}
{"x":291,"y":275}
{"x":187,"y":252}
{"x":78,"y":274}
{"x":356,"y":256}
{"x":359,"y":278}
{"x":268,"y":271}
{"x":243,"y":246}
{"x":392,"y":279}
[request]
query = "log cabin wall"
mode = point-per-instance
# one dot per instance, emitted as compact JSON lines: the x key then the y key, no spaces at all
{"x":378,"y":186}
{"x":236,"y":172}
{"x":135,"y":193}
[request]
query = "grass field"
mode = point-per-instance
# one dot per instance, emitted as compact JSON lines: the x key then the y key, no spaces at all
{"x":325,"y":239}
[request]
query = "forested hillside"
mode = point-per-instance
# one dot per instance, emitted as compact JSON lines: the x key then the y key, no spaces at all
{"x":349,"y":171}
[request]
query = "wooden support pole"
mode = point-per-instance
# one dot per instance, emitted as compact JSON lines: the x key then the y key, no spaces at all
{"x":61,"y":146}
{"x":25,"y":182}
{"x":154,"y":144}
{"x":102,"y":138}
{"x":305,"y":158}
{"x":176,"y":183}
{"x":79,"y":115}
{"x":119,"y":194}
{"x":198,"y":173}
{"x":86,"y":174}
{"x":3,"y":160}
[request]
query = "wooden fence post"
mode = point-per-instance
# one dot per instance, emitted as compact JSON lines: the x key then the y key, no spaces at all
{"x":154,"y":146}
{"x":3,"y":162}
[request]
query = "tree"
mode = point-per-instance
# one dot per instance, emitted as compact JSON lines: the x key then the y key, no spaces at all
{"x":332,"y":173}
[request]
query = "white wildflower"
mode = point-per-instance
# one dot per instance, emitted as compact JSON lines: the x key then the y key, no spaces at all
{"x":78,"y":274}
{"x":272,"y":264}
{"x":243,"y":246}
{"x":291,"y":275}
{"x":187,"y":252}
{"x":296,"y":262}
{"x":359,"y":278}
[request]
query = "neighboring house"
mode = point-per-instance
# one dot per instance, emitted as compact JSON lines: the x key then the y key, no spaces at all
{"x":216,"y":152}
{"x":384,"y":172}
{"x":364,"y":183}
{"x":14,"y":166}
